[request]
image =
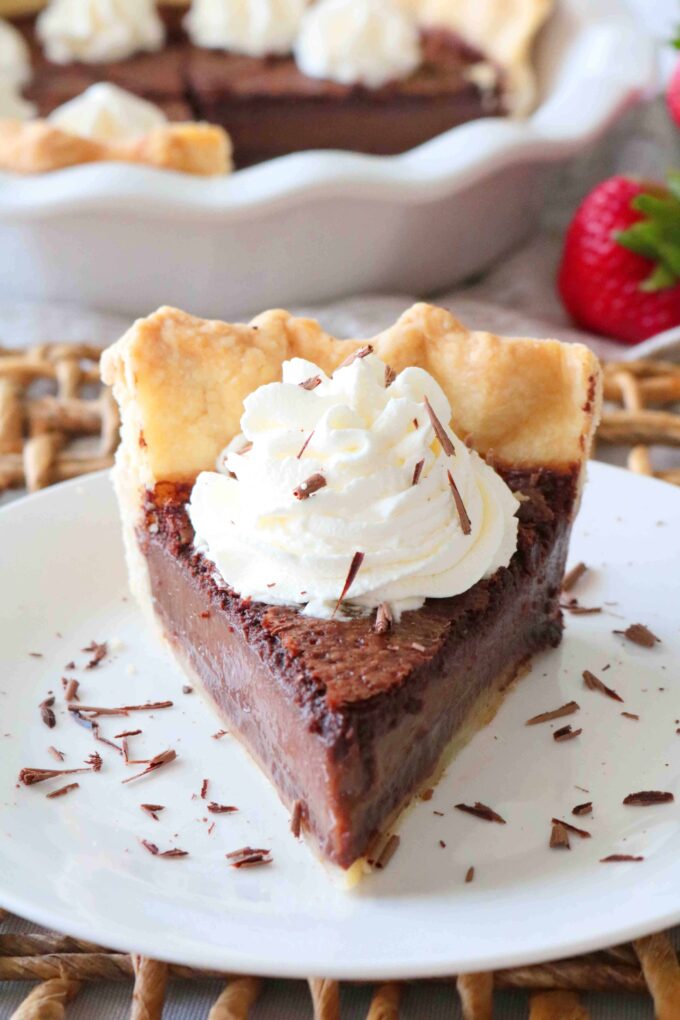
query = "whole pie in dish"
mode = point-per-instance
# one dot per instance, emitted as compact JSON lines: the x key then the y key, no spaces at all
{"x":352,"y":548}
{"x":275,"y":76}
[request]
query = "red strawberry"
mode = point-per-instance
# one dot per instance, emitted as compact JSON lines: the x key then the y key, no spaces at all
{"x":620,"y":271}
{"x":673,"y":94}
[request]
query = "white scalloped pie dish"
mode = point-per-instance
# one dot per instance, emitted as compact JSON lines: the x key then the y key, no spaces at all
{"x":316,"y":225}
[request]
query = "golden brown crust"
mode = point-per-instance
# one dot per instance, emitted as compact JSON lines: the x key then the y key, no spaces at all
{"x":503,"y":30}
{"x":181,"y":382}
{"x":36,"y":146}
{"x":557,"y":1006}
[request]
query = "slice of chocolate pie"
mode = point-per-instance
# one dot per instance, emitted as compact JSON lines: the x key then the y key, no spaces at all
{"x":352,"y":548}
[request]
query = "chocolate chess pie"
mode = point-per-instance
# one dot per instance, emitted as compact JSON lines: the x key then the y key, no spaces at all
{"x":403,"y":71}
{"x":352,"y":548}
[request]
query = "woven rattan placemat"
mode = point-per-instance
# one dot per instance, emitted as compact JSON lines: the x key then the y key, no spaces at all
{"x":56,"y":423}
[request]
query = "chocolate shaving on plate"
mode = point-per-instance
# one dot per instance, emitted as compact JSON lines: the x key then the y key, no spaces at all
{"x":470,"y":874}
{"x":639,"y":635}
{"x":46,"y":712}
{"x":248,"y":856}
{"x":482,"y":811}
{"x":152,"y":809}
{"x":59,"y":755}
{"x":576,"y":610}
{"x":619,"y":857}
{"x":155,"y":852}
{"x":362,"y":352}
{"x":310,"y":486}
{"x":630,"y":715}
{"x":465,"y":522}
{"x":556,"y":713}
{"x":63,"y":790}
{"x":311,"y":383}
{"x":93,"y":726}
{"x":221,"y":809}
{"x":593,"y":683}
{"x":98,"y":651}
{"x":583,"y":809}
{"x":70,"y":689}
{"x":559,"y":837}
{"x":583,"y":833}
{"x":573,"y":576}
{"x":164,"y":758}
{"x":29,"y":776}
{"x":219,"y":734}
{"x":204,"y":789}
{"x":95,"y":710}
{"x":187,"y":689}
{"x":439,"y":431}
{"x":645,"y":798}
{"x":417,"y":471}
{"x":354,"y":568}
{"x":296,"y":819}
{"x":127,"y":733}
{"x":566,"y":733}
{"x":383,"y":619}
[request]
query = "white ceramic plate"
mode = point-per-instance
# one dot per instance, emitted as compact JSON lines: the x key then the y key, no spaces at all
{"x":76,"y":863}
{"x":123,"y":237}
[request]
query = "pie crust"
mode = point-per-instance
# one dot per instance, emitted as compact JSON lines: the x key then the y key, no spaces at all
{"x":36,"y":146}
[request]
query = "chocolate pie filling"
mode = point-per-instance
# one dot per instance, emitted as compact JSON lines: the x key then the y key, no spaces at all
{"x":345,"y":720}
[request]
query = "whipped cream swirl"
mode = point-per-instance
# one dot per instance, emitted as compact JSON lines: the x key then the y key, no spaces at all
{"x":257,"y":28}
{"x":97,"y":31}
{"x":107,"y":113}
{"x":358,"y":42}
{"x":15,"y":59}
{"x":381,"y":483}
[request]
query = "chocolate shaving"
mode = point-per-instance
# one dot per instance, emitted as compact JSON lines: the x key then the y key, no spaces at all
{"x":175,"y":852}
{"x":164,"y":758}
{"x":583,"y":809}
{"x":46,"y":713}
{"x":30,"y":777}
{"x":59,"y":755}
{"x":311,"y":383}
{"x":439,"y":431}
{"x":36,"y":655}
{"x":70,"y":665}
{"x":93,"y":726}
{"x":204,"y":789}
{"x":647,"y":797}
{"x":63,"y":790}
{"x":127,"y":733}
{"x":354,"y":568}
{"x":388,"y":851}
{"x":573,"y":576}
{"x":296,"y":819}
{"x":417,"y":471}
{"x":70,"y":689}
{"x":639,"y":635}
{"x":95,"y":710}
{"x":310,"y":486}
{"x":470,"y":874}
{"x":479,"y":810}
{"x":630,"y":715}
{"x":460,"y":506}
{"x":248,"y":856}
{"x":363,"y":352}
{"x":556,"y":713}
{"x":440,"y":814}
{"x":383,"y":619}
{"x":566,"y":733}
{"x":390,"y":375}
{"x":559,"y":837}
{"x":99,"y":652}
{"x":152,"y":809}
{"x":151,"y":847}
{"x":619,"y":857}
{"x":219,"y":734}
{"x":583,"y":833}
{"x":187,"y":689}
{"x":221,"y":809}
{"x":576,"y":610}
{"x":442,"y":844}
{"x":593,"y":683}
{"x":304,"y":445}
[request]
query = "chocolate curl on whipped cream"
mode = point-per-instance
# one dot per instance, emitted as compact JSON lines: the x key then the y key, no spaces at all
{"x":310,"y":486}
{"x":439,"y":431}
{"x":354,"y":568}
{"x":363,"y":352}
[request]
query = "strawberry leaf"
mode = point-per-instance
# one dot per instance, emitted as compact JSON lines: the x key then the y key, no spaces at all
{"x":656,"y":236}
